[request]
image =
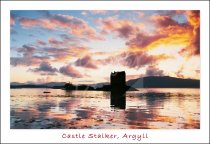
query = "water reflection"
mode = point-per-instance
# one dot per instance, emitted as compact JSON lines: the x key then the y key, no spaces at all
{"x":118,"y":100}
{"x":143,"y":109}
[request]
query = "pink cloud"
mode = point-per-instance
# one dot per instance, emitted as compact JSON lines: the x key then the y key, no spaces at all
{"x":137,"y":59}
{"x":86,"y":62}
{"x":27,"y":60}
{"x":123,"y":28}
{"x":40,"y":42}
{"x":55,"y":42}
{"x":28,"y":57}
{"x":163,"y":21}
{"x":73,"y":25}
{"x":142,"y":40}
{"x":68,"y":70}
{"x":141,"y":59}
{"x":45,"y":67}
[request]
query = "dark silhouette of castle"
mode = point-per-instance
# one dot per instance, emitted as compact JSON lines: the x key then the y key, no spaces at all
{"x":118,"y":89}
{"x":118,"y":81}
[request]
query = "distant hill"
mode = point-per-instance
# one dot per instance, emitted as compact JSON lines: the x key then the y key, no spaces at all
{"x":52,"y":84}
{"x":163,"y":82}
{"x":28,"y":86}
{"x":144,"y":82}
{"x":16,"y":83}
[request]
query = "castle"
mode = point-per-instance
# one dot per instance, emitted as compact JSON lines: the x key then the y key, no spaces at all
{"x":118,"y":81}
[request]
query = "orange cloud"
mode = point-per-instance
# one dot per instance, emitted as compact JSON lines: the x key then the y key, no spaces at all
{"x":187,"y":34}
{"x":194,"y":21}
{"x":174,"y":39}
{"x":193,"y":17}
{"x":141,"y":40}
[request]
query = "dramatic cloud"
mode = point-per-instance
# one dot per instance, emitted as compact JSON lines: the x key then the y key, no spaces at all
{"x":28,"y":57}
{"x":137,"y":60}
{"x":193,"y":17}
{"x":142,"y":43}
{"x":142,"y":40}
{"x":194,"y":21}
{"x":126,"y":31}
{"x":163,"y":21}
{"x":140,"y":59}
{"x":65,"y":41}
{"x":31,"y":55}
{"x":70,"y":71}
{"x":73,"y":25}
{"x":45,"y":67}
{"x":133,"y":59}
{"x":26,"y":50}
{"x":86,"y":62}
{"x":27,"y":61}
{"x":152,"y":70}
{"x":60,"y":54}
{"x":189,"y":30}
{"x":123,"y":28}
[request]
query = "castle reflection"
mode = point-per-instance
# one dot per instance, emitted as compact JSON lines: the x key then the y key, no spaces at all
{"x":118,"y":89}
{"x":118,"y":100}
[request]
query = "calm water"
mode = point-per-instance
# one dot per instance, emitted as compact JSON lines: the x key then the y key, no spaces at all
{"x":143,"y":109}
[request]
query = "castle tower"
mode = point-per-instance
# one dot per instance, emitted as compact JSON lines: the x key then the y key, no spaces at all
{"x":118,"y":81}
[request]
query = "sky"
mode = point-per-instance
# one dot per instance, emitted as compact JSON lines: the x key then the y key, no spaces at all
{"x":85,"y":46}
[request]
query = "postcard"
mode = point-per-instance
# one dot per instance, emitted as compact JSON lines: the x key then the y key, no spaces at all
{"x":112,"y":74}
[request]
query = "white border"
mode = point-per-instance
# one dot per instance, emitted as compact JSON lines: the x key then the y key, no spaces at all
{"x":54,"y":136}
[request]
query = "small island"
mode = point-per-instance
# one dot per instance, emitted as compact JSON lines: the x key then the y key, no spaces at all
{"x":117,"y":80}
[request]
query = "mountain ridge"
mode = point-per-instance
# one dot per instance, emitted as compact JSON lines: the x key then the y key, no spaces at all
{"x":163,"y":82}
{"x":142,"y":82}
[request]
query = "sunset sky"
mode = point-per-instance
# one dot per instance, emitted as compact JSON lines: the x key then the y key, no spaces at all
{"x":86,"y":46}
